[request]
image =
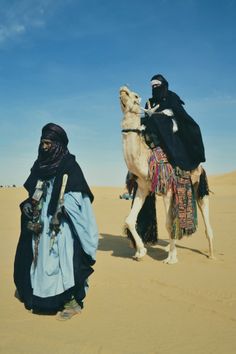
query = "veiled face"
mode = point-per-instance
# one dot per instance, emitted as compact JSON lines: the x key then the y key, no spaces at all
{"x":159,"y":86}
{"x":45,"y":145}
{"x":129,"y":101}
{"x":156,"y":90}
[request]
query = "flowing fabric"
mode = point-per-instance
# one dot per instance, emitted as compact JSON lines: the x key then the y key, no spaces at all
{"x":183,"y":148}
{"x":63,"y":267}
{"x":163,"y":178}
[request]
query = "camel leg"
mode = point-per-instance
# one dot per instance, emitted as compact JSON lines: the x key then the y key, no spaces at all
{"x":130,"y":222}
{"x":203,"y":205}
{"x":172,"y":250}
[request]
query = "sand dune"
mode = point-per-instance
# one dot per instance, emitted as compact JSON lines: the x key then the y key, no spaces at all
{"x":134,"y":307}
{"x":227,"y":178}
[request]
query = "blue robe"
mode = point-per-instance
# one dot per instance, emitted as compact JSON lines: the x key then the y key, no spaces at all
{"x":62,"y":268}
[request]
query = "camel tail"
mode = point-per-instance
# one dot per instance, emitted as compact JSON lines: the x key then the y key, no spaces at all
{"x":203,"y":186}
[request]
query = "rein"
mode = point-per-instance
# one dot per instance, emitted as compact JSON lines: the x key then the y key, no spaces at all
{"x":138,"y":131}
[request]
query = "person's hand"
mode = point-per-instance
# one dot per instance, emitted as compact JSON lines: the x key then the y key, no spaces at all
{"x":150,"y":111}
{"x":27,"y":209}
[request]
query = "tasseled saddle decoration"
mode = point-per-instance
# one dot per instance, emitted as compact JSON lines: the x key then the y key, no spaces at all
{"x":163,"y":178}
{"x":161,"y":172}
{"x":184,"y":209}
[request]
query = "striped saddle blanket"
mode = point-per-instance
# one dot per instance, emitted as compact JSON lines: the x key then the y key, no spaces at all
{"x":164,"y":178}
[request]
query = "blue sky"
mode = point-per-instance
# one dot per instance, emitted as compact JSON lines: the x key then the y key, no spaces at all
{"x":63,"y":61}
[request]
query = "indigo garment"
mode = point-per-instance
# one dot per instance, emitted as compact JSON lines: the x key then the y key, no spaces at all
{"x":64,"y":265}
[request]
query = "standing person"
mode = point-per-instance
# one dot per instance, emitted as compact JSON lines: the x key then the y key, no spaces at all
{"x":169,"y":126}
{"x":59,"y":237}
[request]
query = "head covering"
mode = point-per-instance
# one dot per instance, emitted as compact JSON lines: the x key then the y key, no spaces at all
{"x":159,"y":87}
{"x":47,"y":163}
{"x":54,"y":132}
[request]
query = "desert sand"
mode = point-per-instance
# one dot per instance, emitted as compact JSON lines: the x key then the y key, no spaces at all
{"x":132,"y":307}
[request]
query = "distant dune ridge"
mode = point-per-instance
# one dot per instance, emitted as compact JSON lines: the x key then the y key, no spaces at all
{"x":227,"y":178}
{"x":134,"y":307}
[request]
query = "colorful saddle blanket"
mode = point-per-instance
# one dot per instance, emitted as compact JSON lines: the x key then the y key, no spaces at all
{"x":164,"y":178}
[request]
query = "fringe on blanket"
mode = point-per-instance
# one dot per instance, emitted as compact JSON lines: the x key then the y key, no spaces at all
{"x":161,"y":172}
{"x":184,"y":209}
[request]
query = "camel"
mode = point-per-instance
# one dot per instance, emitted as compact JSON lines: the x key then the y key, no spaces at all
{"x":136,"y":155}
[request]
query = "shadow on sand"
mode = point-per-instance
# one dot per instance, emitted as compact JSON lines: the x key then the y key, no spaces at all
{"x":193,"y":250}
{"x":121,"y":247}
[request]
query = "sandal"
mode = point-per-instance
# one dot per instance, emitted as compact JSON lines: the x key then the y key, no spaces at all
{"x":67,"y":314}
{"x":71,"y":309}
{"x":126,"y":196}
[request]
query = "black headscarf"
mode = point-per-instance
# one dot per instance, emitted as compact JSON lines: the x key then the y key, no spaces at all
{"x":58,"y":162}
{"x":47,"y":162}
{"x":160,"y":89}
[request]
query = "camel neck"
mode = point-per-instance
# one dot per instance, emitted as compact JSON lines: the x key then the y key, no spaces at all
{"x":131,"y":121}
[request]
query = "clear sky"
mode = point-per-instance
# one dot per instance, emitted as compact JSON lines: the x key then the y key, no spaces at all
{"x":63,"y":61}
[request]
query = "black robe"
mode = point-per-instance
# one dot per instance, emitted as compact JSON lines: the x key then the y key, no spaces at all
{"x":76,"y":181}
{"x":183,"y":148}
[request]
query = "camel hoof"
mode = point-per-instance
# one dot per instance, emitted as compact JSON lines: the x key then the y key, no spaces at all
{"x":212,"y":258}
{"x":170,"y":260}
{"x":140,"y":254}
{"x":138,"y":259}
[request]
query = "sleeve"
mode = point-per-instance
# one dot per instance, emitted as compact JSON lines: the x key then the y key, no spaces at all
{"x":188,"y":131}
{"x":180,"y":113}
{"x":79,"y":210}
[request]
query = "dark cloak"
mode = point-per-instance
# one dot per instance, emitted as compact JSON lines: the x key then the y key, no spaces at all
{"x":82,"y":262}
{"x":183,"y":148}
{"x":76,"y":181}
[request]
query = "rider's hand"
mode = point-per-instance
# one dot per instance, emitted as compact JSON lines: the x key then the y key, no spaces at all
{"x":149,"y":112}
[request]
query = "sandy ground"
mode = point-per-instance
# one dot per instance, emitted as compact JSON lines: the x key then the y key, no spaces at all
{"x":134,"y":307}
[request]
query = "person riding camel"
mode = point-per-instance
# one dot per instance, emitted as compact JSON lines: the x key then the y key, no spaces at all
{"x":172,"y":134}
{"x":169,"y":126}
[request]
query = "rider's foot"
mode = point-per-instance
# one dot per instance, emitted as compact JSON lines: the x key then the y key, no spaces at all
{"x":126,"y":196}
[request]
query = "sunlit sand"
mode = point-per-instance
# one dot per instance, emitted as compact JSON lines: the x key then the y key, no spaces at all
{"x":134,"y":307}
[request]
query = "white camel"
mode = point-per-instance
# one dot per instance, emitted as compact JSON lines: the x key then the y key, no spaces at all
{"x":136,"y":155}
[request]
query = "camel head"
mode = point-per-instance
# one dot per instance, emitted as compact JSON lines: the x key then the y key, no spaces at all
{"x":129,"y":101}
